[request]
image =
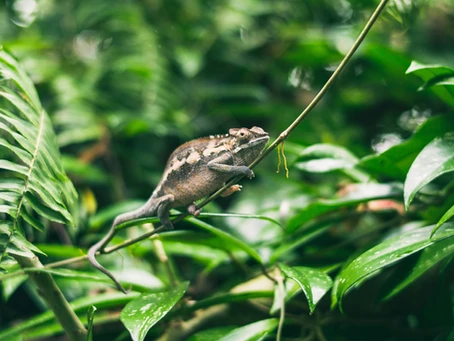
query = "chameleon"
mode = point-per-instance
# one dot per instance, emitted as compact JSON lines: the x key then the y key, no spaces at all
{"x":193,"y":171}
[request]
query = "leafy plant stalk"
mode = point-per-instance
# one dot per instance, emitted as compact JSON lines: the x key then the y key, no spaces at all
{"x":54,"y":298}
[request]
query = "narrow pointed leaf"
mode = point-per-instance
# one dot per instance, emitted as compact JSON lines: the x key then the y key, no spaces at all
{"x":429,"y":257}
{"x":90,"y":319}
{"x":448,"y":214}
{"x":362,"y":193}
{"x":252,"y":332}
{"x":320,"y":151}
{"x":384,"y":254}
{"x":228,"y":239}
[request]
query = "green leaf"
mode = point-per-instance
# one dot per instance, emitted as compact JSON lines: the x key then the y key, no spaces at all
{"x":145,"y":311}
{"x":429,"y":257}
{"x":240,"y":215}
{"x":430,"y":72}
{"x":227,"y":239}
{"x":384,"y":254}
{"x":396,"y":161}
{"x":81,"y":305}
{"x":322,"y":165}
{"x":213,"y":334}
{"x":15,"y":243}
{"x":302,"y":281}
{"x":302,"y":237}
{"x":314,"y":283}
{"x":195,"y":248}
{"x":322,"y":158}
{"x":135,"y":278}
{"x":434,"y":160}
{"x":451,"y":335}
{"x":330,"y":151}
{"x":90,"y":319}
{"x":38,"y":185}
{"x":251,"y":332}
{"x":448,"y":214}
{"x":10,"y":284}
{"x":360,"y":193}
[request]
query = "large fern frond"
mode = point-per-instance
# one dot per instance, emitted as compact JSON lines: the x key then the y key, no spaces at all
{"x":33,"y":184}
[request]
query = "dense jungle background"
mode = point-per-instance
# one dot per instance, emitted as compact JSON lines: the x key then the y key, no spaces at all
{"x":358,"y":238}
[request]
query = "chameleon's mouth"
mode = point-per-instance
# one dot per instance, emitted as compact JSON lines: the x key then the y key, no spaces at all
{"x":259,"y":140}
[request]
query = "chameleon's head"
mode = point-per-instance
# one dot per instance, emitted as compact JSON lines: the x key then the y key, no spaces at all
{"x":253,"y":140}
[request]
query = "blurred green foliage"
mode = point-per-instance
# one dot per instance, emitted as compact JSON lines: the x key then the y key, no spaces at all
{"x":125,"y":82}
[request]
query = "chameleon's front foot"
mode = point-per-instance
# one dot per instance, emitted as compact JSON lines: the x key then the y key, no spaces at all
{"x":246,"y":171}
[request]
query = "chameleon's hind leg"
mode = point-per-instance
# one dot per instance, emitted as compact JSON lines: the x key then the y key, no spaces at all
{"x":163,"y":208}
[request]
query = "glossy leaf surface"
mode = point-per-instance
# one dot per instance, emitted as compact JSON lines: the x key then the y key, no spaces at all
{"x":145,"y":311}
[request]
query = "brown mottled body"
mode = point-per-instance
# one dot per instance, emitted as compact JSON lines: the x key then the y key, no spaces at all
{"x":193,"y":171}
{"x":189,"y":178}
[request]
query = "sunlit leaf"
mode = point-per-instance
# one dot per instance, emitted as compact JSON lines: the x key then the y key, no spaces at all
{"x":213,"y":334}
{"x":322,"y":165}
{"x":324,"y":150}
{"x":384,"y":254}
{"x":322,"y":158}
{"x":396,"y":161}
{"x":359,"y":193}
{"x":434,"y":160}
{"x":144,"y":312}
{"x":430,"y":72}
{"x":252,"y":332}
{"x":230,"y":298}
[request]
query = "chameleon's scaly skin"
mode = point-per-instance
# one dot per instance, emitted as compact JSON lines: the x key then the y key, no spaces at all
{"x":194,"y":170}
